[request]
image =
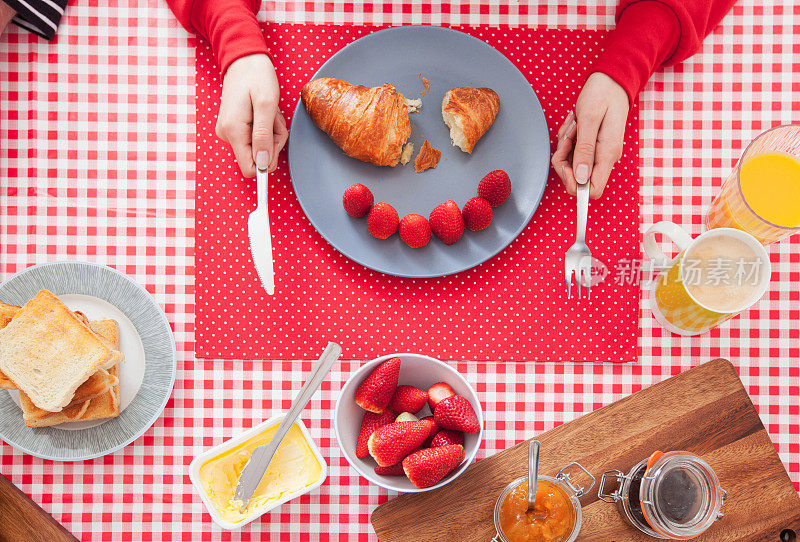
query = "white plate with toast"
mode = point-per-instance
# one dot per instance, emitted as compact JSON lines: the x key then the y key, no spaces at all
{"x":89,"y":358}
{"x":517,"y":142}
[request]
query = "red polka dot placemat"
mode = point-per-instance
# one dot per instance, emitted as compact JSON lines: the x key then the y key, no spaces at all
{"x":512,"y":307}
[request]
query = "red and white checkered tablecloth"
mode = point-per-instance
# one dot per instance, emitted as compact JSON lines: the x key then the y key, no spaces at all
{"x":97,"y":163}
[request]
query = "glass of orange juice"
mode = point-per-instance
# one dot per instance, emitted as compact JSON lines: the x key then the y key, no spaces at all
{"x":762,"y":194}
{"x":714,"y":277}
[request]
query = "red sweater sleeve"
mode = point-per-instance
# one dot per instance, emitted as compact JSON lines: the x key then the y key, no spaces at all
{"x":651,"y":34}
{"x":230,"y":26}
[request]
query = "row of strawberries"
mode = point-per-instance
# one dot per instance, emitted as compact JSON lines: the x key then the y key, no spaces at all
{"x":424,"y":450}
{"x":446,"y":221}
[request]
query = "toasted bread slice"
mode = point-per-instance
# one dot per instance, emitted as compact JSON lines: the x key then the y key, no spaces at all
{"x":48,"y":352}
{"x":7,"y":313}
{"x":104,"y":329}
{"x":6,"y":383}
{"x":97,"y":384}
{"x":106,"y":405}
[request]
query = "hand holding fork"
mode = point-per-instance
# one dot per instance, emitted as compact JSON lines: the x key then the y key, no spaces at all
{"x":578,"y":259}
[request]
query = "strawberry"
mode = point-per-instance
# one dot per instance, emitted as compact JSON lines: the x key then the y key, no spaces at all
{"x":357,"y":200}
{"x":375,"y":392}
{"x":406,"y":417}
{"x":408,"y":399}
{"x":434,"y":430}
{"x":445,"y":437}
{"x":447,"y":223}
{"x":477,"y":214}
{"x":370,"y":423}
{"x":382,"y":220}
{"x":427,"y":467}
{"x":456,"y":413}
{"x":415,"y":230}
{"x":437,"y":392}
{"x":394,"y":470}
{"x":495,"y":187}
{"x":391,"y":443}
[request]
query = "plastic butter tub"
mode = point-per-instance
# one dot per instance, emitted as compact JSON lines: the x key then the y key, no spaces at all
{"x":297,"y":468}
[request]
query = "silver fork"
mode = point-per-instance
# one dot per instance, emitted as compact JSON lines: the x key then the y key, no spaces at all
{"x":578,"y":259}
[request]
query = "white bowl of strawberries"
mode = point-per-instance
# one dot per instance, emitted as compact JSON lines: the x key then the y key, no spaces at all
{"x":408,"y":422}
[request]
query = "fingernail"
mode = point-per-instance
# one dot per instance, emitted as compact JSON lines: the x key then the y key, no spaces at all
{"x":262,"y":159}
{"x":567,"y":131}
{"x":582,"y":173}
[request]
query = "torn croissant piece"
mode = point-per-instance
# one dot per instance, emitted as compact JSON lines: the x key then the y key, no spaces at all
{"x":368,"y":123}
{"x":468,"y":113}
{"x":427,"y":158}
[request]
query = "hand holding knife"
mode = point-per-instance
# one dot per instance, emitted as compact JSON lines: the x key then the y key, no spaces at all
{"x":260,"y":238}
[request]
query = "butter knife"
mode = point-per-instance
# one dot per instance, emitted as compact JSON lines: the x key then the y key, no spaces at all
{"x":260,"y":238}
{"x":259,"y":460}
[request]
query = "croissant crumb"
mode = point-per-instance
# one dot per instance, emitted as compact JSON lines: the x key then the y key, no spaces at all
{"x":405,"y":156}
{"x":413,"y":105}
{"x":427,"y":158}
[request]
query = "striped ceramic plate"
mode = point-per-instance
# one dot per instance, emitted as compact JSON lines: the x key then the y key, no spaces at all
{"x":146,"y":376}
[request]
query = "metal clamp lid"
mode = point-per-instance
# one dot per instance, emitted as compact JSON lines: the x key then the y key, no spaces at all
{"x":564,"y":475}
{"x":613,"y":496}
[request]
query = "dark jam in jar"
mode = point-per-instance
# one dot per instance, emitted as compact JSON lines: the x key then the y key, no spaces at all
{"x":679,"y":496}
{"x":633,"y":495}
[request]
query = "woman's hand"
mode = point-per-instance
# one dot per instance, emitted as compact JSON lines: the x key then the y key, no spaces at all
{"x":249,"y":118}
{"x":590,"y":140}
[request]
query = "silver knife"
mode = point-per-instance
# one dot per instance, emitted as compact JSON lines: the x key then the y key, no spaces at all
{"x":259,"y":460}
{"x":260,"y":238}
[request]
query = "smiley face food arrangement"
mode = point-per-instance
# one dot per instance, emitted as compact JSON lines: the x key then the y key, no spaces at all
{"x":425,"y":449}
{"x":373,"y":124}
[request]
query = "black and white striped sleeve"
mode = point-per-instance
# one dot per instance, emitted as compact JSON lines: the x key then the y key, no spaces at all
{"x":38,"y":16}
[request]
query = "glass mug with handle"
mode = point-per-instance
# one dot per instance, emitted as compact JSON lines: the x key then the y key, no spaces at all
{"x":762,"y":194}
{"x":715,"y":276}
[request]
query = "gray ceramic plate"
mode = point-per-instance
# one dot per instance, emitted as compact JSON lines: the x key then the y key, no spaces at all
{"x":146,"y":375}
{"x":518,"y":142}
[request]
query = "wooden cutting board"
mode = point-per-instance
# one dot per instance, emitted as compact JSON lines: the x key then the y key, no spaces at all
{"x":705,"y":410}
{"x":22,"y":520}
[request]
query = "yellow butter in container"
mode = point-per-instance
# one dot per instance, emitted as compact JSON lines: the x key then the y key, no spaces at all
{"x":297,"y":468}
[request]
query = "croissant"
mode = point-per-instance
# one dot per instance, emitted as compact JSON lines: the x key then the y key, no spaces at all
{"x":369,"y":124}
{"x":469,"y":113}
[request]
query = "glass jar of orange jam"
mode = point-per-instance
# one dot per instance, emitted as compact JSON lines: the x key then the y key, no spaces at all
{"x":555,"y":517}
